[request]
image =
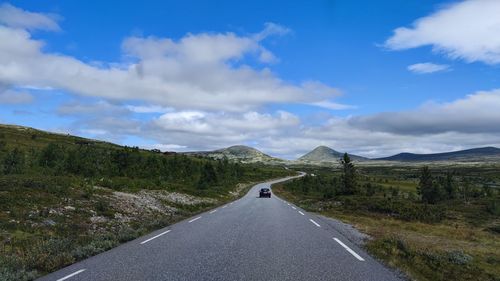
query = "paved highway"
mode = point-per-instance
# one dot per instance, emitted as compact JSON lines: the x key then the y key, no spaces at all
{"x":250,"y":239}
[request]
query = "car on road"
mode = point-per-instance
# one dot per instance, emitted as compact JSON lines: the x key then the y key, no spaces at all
{"x":265,"y":192}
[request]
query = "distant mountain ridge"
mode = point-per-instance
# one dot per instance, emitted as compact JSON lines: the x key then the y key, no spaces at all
{"x":321,"y":154}
{"x":326,"y":154}
{"x":240,"y":153}
{"x":478,"y":154}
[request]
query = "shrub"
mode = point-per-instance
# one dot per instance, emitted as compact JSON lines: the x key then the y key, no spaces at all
{"x":98,"y":245}
{"x":126,"y":233}
{"x":459,"y":257}
{"x":16,"y":274}
{"x":493,"y":207}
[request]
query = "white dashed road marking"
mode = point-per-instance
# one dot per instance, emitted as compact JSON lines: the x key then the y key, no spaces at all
{"x":195,"y":219}
{"x":294,"y":208}
{"x":71,"y":275}
{"x":315,"y":223}
{"x":301,"y":213}
{"x":154,"y":237}
{"x":349,"y":249}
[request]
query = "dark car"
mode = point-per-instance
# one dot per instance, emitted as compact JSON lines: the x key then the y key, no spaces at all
{"x":265,"y":192}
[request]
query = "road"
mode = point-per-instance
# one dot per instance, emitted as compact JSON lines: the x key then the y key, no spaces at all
{"x":249,"y":239}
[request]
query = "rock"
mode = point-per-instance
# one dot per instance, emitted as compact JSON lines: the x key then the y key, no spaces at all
{"x":49,"y":222}
{"x":122,"y":218}
{"x":98,"y":219}
{"x":69,"y":208}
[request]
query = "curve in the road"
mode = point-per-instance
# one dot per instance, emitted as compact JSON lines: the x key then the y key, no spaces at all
{"x":248,"y":239}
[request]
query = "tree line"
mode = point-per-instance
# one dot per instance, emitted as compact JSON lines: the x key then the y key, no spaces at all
{"x":431,"y":188}
{"x":92,"y":161}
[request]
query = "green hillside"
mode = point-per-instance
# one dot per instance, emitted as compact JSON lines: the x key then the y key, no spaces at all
{"x":239,"y":153}
{"x":64,"y":198}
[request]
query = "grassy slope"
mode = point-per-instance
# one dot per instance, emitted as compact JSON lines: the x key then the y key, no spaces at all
{"x":50,"y":220}
{"x":460,"y":247}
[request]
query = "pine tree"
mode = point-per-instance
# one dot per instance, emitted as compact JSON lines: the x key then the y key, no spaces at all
{"x":13,"y":162}
{"x":428,"y":190}
{"x":208,"y":176}
{"x":348,"y":175}
{"x":449,"y":186}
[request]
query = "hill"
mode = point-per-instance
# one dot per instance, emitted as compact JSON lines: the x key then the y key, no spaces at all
{"x":64,"y":198}
{"x":326,"y":154}
{"x":240,"y":153}
{"x":468,"y":155}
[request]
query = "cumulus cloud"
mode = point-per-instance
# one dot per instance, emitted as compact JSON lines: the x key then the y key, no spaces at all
{"x":205,"y":71}
{"x":427,"y":67}
{"x":468,"y":30}
{"x":220,"y":125}
{"x":17,"y":18}
{"x":204,"y":94}
{"x":433,"y":127}
{"x":476,"y":113}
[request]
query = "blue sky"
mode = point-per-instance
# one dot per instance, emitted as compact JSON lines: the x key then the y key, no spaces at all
{"x":368,"y":77}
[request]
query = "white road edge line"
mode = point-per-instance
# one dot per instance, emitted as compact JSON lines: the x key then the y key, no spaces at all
{"x":301,"y":213}
{"x":288,"y":204}
{"x":213,"y":211}
{"x":197,"y":218}
{"x":71,"y":275}
{"x":315,"y":223}
{"x":294,"y":208}
{"x":224,"y":206}
{"x":154,"y":237}
{"x":349,"y":249}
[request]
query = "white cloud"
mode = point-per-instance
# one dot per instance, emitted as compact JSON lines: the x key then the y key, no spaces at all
{"x":476,"y":113}
{"x":18,"y":18}
{"x":15,"y":97}
{"x":199,"y":71}
{"x":468,"y":30}
{"x":271,"y":29}
{"x":333,"y":105}
{"x":427,"y":67}
{"x":221,"y":125}
{"x":434,"y":127}
{"x":149,"y":108}
{"x":208,"y":96}
{"x":165,"y":147}
{"x":100,"y":108}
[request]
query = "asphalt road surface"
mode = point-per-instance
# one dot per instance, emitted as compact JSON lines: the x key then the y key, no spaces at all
{"x":250,"y":239}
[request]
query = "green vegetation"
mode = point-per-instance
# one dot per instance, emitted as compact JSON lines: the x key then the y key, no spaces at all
{"x":64,"y":198}
{"x":434,"y":223}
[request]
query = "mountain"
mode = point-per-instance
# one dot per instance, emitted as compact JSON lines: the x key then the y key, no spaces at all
{"x":474,"y":154}
{"x":326,"y":154}
{"x":239,"y":153}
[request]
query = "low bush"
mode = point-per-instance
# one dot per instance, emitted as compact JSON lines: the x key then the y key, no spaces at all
{"x":427,"y":264}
